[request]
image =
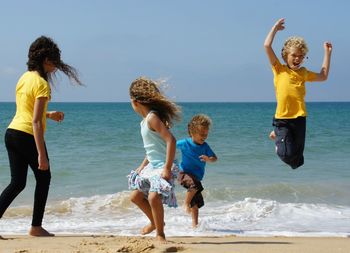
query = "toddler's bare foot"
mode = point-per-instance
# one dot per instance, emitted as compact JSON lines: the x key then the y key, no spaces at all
{"x":147,"y":229}
{"x":272,"y":135}
{"x":187,"y":208}
{"x":39,"y":231}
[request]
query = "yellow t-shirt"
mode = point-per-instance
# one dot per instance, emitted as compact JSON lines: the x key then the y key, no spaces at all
{"x":29,"y":87}
{"x":290,"y":90}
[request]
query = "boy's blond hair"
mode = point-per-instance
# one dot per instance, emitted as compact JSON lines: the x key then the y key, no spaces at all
{"x":294,"y":42}
{"x":198,"y":121}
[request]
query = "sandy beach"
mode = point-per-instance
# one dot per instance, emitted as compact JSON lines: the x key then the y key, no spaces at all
{"x":109,"y":244}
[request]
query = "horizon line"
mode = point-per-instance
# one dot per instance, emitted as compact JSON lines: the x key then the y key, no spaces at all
{"x":316,"y":101}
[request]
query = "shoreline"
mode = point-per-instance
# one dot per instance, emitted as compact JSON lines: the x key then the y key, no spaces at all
{"x":222,"y":244}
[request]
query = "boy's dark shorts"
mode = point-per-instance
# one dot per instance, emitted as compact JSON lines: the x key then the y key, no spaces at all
{"x":290,"y":140}
{"x":190,"y":182}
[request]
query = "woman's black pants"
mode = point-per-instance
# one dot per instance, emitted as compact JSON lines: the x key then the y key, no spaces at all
{"x":22,"y":153}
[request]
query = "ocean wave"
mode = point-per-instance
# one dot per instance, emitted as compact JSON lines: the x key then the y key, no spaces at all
{"x":283,"y":192}
{"x":114,"y":214}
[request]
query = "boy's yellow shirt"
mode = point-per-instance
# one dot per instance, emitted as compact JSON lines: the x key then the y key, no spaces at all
{"x":290,"y":90}
{"x":30,"y":86}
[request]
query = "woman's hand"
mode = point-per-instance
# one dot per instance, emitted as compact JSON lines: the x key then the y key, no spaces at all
{"x":55,"y":115}
{"x":43,"y":162}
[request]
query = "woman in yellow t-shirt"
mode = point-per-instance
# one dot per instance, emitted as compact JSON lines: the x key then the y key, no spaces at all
{"x":24,"y":138}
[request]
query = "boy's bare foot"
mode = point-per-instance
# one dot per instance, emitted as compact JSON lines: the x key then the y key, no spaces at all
{"x":148,"y":229}
{"x":272,"y":135}
{"x":39,"y":231}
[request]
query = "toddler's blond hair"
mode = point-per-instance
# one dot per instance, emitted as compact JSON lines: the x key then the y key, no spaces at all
{"x":198,"y":121}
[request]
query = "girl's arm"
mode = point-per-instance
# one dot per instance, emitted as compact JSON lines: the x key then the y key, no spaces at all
{"x":38,"y":130}
{"x":157,"y":125}
{"x":142,"y":165}
{"x":323,"y":75}
{"x":278,"y":26}
{"x":56,"y":116}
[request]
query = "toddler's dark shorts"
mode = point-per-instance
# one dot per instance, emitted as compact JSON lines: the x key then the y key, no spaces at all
{"x":190,"y":182}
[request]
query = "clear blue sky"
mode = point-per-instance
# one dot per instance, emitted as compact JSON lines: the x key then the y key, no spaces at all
{"x":208,"y":50}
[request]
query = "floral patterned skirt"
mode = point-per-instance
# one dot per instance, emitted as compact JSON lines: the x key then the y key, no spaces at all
{"x":150,"y":180}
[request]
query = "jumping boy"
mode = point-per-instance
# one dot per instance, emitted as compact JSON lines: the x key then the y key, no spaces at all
{"x":289,"y":80}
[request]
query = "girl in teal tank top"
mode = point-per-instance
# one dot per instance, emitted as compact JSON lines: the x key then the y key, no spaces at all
{"x":153,"y":181}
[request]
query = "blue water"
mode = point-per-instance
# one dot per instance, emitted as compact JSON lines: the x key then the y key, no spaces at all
{"x":248,"y":191}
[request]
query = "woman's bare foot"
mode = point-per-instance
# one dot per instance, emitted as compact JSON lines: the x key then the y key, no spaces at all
{"x":39,"y":231}
{"x":272,"y":135}
{"x":148,"y":229}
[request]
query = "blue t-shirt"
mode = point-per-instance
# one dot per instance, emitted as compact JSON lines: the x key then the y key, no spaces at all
{"x":191,"y":152}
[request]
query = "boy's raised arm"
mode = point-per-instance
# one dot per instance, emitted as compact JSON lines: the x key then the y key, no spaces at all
{"x":278,"y":26}
{"x":323,"y":75}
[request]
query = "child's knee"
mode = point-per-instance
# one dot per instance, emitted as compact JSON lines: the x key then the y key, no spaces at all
{"x":153,"y":198}
{"x":136,"y":196}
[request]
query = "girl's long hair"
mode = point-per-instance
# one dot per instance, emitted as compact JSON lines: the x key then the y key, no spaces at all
{"x":147,"y":92}
{"x":45,"y":48}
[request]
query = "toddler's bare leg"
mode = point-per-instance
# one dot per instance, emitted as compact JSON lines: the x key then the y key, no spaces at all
{"x":188,"y":198}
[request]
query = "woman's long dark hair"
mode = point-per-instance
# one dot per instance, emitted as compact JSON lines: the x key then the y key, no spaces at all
{"x":45,"y":48}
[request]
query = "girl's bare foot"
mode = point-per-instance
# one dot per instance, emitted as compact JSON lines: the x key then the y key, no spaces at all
{"x":39,"y":231}
{"x":272,"y":135}
{"x":148,"y":229}
{"x":161,"y":238}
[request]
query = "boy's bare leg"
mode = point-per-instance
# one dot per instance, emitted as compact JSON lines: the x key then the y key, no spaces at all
{"x":195,"y":213}
{"x":138,"y":199}
{"x":188,"y":198}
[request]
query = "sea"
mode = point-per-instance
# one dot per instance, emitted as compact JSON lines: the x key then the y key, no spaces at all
{"x":247,"y":192}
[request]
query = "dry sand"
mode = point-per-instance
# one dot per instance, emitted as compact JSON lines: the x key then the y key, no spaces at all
{"x":109,"y":244}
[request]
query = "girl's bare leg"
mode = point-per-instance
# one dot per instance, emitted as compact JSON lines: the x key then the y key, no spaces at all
{"x":138,"y":199}
{"x":156,"y":204}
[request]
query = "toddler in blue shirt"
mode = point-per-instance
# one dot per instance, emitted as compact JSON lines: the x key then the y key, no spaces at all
{"x":195,"y":153}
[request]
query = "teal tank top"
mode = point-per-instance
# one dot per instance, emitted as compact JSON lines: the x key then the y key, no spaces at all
{"x":154,"y":145}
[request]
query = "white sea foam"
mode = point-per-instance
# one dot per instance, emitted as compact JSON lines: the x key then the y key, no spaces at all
{"x":114,"y":214}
